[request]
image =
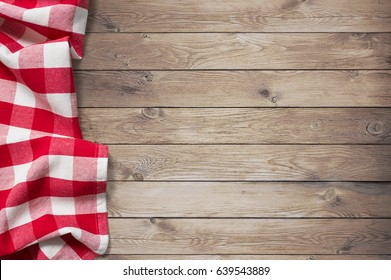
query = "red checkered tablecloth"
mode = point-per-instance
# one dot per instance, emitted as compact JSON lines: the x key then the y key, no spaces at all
{"x":52,"y":182}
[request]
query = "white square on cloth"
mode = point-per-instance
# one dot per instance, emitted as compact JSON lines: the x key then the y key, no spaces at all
{"x":24,"y":96}
{"x":61,"y":104}
{"x":18,"y":215}
{"x":56,"y":55}
{"x":79,"y":22}
{"x":61,"y":167}
{"x":52,"y":246}
{"x":21,"y":172}
{"x":63,"y":205}
{"x":38,"y":16}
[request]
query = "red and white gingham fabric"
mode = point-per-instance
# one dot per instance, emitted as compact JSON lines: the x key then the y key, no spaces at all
{"x":52,"y":183}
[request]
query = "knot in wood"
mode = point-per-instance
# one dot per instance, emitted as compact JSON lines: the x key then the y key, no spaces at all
{"x":152,"y":220}
{"x":152,"y":113}
{"x":375,"y":128}
{"x":354,"y":73}
{"x":331,"y":197}
{"x":346,"y":248}
{"x":291,"y":4}
{"x":359,"y":35}
{"x":330,"y":194}
{"x":315,"y":125}
{"x":274,"y":99}
{"x":264,"y":93}
{"x":166,"y":226}
{"x":149,"y":77}
{"x":138,"y":177}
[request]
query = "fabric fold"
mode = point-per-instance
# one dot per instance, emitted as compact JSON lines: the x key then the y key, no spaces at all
{"x":52,"y":182}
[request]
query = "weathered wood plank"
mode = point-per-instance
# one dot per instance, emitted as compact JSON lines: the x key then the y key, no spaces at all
{"x":108,"y":51}
{"x":250,"y":236}
{"x":251,"y":199}
{"x":233,"y":88}
{"x":237,"y":126}
{"x":250,"y":162}
{"x":245,"y":257}
{"x":240,"y":16}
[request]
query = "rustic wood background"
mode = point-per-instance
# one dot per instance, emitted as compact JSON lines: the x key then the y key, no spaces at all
{"x":242,"y":129}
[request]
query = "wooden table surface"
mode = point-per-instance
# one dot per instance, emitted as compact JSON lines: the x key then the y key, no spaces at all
{"x":242,"y":129}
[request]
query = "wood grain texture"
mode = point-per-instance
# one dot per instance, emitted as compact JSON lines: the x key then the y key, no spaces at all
{"x":250,"y":236}
{"x":245,"y":257}
{"x":240,"y":16}
{"x":237,"y":126}
{"x":208,"y":181}
{"x":250,"y":162}
{"x":176,"y":51}
{"x":233,"y":88}
{"x":251,"y":199}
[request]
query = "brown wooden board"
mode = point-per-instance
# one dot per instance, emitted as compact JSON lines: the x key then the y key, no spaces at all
{"x":250,"y":162}
{"x":231,"y":129}
{"x":237,"y":126}
{"x":176,"y":51}
{"x":240,"y":16}
{"x":249,"y":199}
{"x":250,"y":236}
{"x":234,"y":88}
{"x":245,"y":257}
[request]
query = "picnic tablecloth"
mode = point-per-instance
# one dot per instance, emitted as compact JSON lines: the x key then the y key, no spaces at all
{"x":52,"y":182}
